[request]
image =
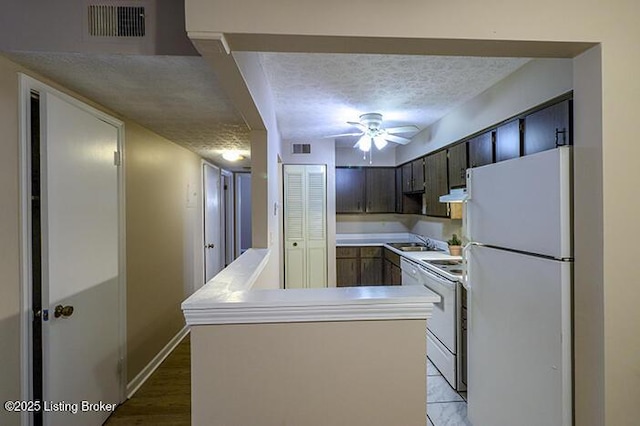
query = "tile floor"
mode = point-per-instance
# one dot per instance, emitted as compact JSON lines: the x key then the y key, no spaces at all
{"x":445,"y":406}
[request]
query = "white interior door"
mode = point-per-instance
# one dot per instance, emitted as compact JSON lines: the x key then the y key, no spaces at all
{"x":305,"y":226}
{"x":80,"y":261}
{"x":213,"y":261}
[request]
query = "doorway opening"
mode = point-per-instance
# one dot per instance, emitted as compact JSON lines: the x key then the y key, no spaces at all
{"x":243,"y":212}
{"x":36,"y":253}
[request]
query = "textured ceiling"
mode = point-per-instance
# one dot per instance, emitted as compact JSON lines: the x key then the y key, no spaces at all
{"x":316,"y":94}
{"x":178,"y":97}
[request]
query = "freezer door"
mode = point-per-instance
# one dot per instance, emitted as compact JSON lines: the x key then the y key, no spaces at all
{"x":523,"y":203}
{"x":519,"y":339}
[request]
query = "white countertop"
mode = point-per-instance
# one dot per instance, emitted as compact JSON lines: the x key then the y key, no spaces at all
{"x":229,"y":299}
{"x":349,"y":240}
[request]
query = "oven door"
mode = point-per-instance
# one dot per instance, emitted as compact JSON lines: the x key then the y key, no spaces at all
{"x":442,"y":323}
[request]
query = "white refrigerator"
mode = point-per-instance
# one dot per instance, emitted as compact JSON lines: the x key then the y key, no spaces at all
{"x":519,"y":282}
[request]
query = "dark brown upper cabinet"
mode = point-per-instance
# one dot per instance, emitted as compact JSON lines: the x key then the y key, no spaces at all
{"x":350,"y":190}
{"x":365,"y":190}
{"x":547,"y":128}
{"x":481,"y":149}
{"x":457,"y":165}
{"x":399,"y":190}
{"x":381,"y":190}
{"x":413,"y":176}
{"x":436,"y":183}
{"x":508,"y":141}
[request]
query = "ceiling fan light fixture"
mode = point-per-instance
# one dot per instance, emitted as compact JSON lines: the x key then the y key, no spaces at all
{"x":380,"y":142}
{"x":364,"y":144}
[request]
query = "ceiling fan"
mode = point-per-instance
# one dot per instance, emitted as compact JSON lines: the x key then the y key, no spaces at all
{"x":372,"y":132}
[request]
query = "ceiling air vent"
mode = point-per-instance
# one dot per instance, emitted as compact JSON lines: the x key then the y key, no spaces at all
{"x":116,"y":21}
{"x":301,"y":148}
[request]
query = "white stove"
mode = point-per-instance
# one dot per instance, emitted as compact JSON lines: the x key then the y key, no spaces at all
{"x":443,"y":277}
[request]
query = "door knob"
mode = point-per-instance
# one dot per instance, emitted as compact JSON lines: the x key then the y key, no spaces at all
{"x":209,"y":246}
{"x":295,"y":244}
{"x":63,"y":311}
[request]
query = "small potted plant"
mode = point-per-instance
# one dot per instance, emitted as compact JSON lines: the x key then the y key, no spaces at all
{"x":455,"y":245}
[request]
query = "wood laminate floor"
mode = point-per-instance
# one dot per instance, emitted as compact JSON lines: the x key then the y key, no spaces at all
{"x":164,"y":399}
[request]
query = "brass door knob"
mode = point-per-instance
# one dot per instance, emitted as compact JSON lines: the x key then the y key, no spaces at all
{"x":63,"y":311}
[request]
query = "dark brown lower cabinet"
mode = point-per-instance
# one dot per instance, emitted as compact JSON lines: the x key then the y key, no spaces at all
{"x":371,"y":265}
{"x":392,"y":271}
{"x":371,"y":271}
{"x":348,"y":272}
{"x":363,"y":266}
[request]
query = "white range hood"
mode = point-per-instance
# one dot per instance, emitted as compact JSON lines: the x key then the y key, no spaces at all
{"x":457,"y":195}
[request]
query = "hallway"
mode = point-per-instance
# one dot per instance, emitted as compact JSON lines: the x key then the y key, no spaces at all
{"x":164,"y":399}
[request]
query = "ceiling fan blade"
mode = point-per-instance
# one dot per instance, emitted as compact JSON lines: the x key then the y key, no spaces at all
{"x":402,"y":129}
{"x":397,"y":139}
{"x":344,"y":134}
{"x":358,"y":125}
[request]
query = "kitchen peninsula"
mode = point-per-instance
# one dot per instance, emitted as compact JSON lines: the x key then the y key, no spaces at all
{"x":273,"y":356}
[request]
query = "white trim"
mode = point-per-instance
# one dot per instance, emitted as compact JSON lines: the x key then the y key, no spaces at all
{"x":27,"y":84}
{"x":214,"y":36}
{"x":319,"y":313}
{"x":25,"y":244}
{"x":229,"y":213}
{"x":150,"y":368}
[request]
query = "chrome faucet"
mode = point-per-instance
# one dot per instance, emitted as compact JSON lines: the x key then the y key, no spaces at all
{"x":426,"y":241}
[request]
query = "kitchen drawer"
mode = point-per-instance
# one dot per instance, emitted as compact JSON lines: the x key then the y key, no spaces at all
{"x":392,"y":257}
{"x":346,"y":252}
{"x":440,"y":356}
{"x":370,"y":251}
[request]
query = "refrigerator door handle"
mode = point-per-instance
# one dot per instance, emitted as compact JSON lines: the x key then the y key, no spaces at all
{"x":465,"y":256}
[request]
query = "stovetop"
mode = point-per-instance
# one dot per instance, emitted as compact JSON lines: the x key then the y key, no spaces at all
{"x":452,"y":269}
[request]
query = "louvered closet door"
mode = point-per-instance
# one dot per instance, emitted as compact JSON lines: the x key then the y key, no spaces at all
{"x":305,"y":226}
{"x":316,"y":235}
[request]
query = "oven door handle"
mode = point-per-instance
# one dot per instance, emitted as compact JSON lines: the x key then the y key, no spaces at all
{"x":426,"y":275}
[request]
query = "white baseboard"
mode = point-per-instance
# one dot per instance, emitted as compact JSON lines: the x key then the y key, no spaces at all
{"x":138,"y":381}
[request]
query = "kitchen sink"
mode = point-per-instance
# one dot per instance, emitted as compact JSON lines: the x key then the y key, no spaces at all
{"x":415,"y":248}
{"x":412,"y":247}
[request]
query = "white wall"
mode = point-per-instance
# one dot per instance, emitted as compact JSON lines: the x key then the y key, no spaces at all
{"x":322,"y":152}
{"x":60,"y":26}
{"x":265,"y":149}
{"x":371,"y":223}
